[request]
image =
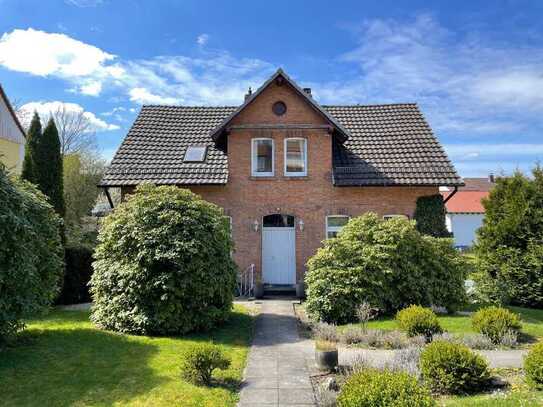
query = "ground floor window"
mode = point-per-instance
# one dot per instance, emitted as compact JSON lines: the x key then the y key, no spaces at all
{"x":334,"y":224}
{"x":387,"y":217}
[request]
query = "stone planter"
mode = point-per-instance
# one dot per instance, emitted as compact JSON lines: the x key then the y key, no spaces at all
{"x":300,"y":290}
{"x":259,"y":290}
{"x":326,"y":359}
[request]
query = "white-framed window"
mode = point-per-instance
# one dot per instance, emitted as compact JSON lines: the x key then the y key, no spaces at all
{"x":295,"y":157}
{"x":334,"y":224}
{"x":262,"y":157}
{"x":230,"y":224}
{"x":387,"y":217}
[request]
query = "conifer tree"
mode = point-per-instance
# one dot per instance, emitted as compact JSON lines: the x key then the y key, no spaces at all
{"x":48,"y":167}
{"x":32,"y":139}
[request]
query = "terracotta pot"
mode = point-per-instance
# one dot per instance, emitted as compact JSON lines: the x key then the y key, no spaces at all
{"x":326,"y":359}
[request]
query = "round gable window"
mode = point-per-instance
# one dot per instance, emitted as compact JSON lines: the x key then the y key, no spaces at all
{"x":279,"y":108}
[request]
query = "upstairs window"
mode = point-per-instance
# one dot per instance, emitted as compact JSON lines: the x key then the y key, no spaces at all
{"x":334,"y":224}
{"x":262,"y":157}
{"x":195,"y":154}
{"x":295,"y":157}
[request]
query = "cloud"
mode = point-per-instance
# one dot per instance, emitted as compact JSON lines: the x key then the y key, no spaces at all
{"x":45,"y":109}
{"x":214,"y":77}
{"x":143,"y":96}
{"x":465,"y":83}
{"x":58,"y":54}
{"x":84,"y":3}
{"x":202,"y":39}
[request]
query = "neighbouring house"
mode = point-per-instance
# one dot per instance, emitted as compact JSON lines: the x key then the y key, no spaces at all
{"x":12,"y":136}
{"x":287,"y":171}
{"x":465,"y":211}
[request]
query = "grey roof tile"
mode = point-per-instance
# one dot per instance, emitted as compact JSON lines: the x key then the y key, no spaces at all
{"x":387,"y":145}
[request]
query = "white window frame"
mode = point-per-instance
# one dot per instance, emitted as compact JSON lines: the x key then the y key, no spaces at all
{"x":254,"y":160}
{"x":336,"y":229}
{"x":294,"y":174}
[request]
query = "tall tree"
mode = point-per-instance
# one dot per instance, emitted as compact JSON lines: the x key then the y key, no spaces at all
{"x":48,"y":167}
{"x":33,"y":137}
{"x":75,"y":130}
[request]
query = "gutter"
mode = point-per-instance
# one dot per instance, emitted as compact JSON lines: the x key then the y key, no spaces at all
{"x":450,"y":195}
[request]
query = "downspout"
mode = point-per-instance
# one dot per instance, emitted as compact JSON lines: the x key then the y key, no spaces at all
{"x":108,"y":196}
{"x":450,"y":195}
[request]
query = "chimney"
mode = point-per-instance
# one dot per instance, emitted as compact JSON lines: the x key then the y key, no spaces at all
{"x":491,"y":178}
{"x":308,"y":91}
{"x":249,"y":93}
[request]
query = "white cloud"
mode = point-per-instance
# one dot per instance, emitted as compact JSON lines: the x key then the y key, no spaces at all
{"x":84,"y":3}
{"x":143,"y":96}
{"x":40,"y":53}
{"x":45,"y":109}
{"x":202,"y":39}
{"x":91,"y":88}
{"x":466,"y":85}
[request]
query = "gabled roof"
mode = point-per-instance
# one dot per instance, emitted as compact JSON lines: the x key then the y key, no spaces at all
{"x":11,"y":111}
{"x":341,"y":132}
{"x":388,"y":145}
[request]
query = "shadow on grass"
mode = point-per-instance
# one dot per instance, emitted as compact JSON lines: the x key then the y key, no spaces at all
{"x":63,"y":367}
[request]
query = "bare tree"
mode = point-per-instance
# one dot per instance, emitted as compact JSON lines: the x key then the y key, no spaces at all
{"x":22,"y":114}
{"x":75,"y":131}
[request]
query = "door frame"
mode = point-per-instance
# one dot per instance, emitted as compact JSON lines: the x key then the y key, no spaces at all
{"x":293,"y":229}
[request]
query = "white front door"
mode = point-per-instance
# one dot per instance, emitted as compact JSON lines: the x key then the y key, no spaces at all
{"x":278,"y":255}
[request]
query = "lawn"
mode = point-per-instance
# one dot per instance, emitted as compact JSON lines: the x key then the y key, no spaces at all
{"x":62,"y":360}
{"x":532,"y":322}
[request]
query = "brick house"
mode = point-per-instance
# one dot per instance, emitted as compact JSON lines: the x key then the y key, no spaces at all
{"x":286,"y":170}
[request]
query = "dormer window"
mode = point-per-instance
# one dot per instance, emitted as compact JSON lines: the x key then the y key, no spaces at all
{"x":195,"y":154}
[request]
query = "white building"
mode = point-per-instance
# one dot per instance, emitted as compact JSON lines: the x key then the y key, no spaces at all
{"x":465,"y":211}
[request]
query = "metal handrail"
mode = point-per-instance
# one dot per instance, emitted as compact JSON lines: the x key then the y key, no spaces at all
{"x":246,"y":282}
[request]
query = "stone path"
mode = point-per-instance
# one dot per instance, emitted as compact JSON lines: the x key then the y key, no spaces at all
{"x":277,"y":372}
{"x":378,"y":358}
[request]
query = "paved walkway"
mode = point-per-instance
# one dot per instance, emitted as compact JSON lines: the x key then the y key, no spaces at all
{"x":378,"y":358}
{"x":277,"y":372}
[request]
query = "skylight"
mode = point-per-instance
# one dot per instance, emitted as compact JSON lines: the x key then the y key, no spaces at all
{"x":195,"y":154}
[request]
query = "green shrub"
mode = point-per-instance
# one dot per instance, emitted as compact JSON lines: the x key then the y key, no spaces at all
{"x":495,"y":323}
{"x":430,"y":216}
{"x":77,"y":274}
{"x":382,"y":263}
{"x":370,"y":388}
{"x":199,"y":361}
{"x":30,"y":253}
{"x":509,"y":249}
{"x":453,"y":368}
{"x":163,"y":264}
{"x":533,"y":366}
{"x":416,"y":320}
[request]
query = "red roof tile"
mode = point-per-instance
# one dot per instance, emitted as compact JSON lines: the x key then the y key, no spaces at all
{"x":466,"y":202}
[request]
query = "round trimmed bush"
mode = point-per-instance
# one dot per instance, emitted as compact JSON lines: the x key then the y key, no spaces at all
{"x":199,"y":361}
{"x":388,"y":264}
{"x":453,"y":368}
{"x":496,"y":322}
{"x":163,"y":264}
{"x":30,"y":253}
{"x":416,"y":320}
{"x":533,"y":366}
{"x":370,"y":388}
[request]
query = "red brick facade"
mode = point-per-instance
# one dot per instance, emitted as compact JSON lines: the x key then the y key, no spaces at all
{"x":310,"y":199}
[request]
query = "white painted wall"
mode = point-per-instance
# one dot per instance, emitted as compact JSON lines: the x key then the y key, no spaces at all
{"x":463,"y":226}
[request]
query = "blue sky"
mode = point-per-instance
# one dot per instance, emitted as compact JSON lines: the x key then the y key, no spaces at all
{"x":474,"y":67}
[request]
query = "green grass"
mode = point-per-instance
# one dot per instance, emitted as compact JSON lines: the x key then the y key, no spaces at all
{"x":62,"y":360}
{"x":532,"y":322}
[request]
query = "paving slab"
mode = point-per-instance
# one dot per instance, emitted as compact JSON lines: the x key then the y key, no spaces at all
{"x":277,"y":371}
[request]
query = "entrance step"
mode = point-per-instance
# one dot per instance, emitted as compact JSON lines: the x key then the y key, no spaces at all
{"x":279,"y":290}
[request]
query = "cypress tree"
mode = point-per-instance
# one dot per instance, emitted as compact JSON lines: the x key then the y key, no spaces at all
{"x":32,"y":139}
{"x":48,"y":167}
